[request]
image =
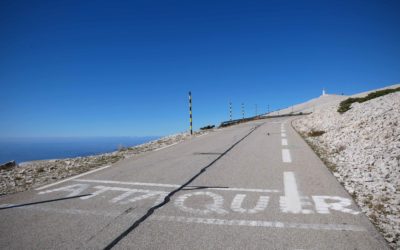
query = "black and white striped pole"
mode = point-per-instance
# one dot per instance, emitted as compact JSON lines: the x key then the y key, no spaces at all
{"x":230,"y":111}
{"x":242,"y":111}
{"x":190,"y":113}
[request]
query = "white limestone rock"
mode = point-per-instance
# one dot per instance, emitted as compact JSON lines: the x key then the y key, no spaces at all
{"x":364,"y":145}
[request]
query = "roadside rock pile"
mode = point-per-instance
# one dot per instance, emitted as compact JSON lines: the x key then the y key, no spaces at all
{"x":37,"y":173}
{"x":362,"y":148}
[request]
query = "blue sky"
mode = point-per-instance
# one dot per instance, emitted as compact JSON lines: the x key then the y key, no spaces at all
{"x":123,"y":68}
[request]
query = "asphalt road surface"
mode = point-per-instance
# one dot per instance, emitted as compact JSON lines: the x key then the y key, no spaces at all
{"x":251,"y":186}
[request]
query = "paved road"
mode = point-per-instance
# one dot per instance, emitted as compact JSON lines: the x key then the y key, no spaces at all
{"x":236,"y":188}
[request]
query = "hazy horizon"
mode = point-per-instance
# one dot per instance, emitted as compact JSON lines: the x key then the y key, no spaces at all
{"x":22,"y":150}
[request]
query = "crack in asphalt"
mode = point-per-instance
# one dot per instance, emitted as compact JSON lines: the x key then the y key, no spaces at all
{"x":172,"y":193}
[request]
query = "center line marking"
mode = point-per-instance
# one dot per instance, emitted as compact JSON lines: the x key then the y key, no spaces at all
{"x":284,"y":142}
{"x":286,"y":156}
{"x":283,"y":135}
{"x":292,"y":197}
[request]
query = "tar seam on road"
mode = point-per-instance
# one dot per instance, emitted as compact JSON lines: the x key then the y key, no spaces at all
{"x":46,"y":201}
{"x":168,"y":197}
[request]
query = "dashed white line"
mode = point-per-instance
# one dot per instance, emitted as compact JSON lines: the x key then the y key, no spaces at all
{"x":283,"y":134}
{"x":209,"y":221}
{"x":286,"y":156}
{"x":284,"y":142}
{"x":73,"y":177}
{"x":258,"y":223}
{"x":292,"y":197}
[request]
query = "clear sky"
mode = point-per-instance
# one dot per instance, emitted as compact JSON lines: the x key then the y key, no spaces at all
{"x":123,"y":68}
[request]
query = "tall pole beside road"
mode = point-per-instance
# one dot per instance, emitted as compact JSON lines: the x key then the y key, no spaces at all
{"x":230,"y":111}
{"x":242,"y":111}
{"x":190,"y":112}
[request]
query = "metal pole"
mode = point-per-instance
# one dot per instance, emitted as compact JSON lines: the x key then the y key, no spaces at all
{"x":190,"y":112}
{"x":242,"y":111}
{"x":230,"y":111}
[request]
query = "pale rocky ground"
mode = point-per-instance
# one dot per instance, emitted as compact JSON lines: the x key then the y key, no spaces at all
{"x":362,"y":148}
{"x":38,"y":173}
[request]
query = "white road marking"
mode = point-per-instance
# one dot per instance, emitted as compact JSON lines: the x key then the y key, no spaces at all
{"x":249,"y":190}
{"x":284,"y":142}
{"x":176,"y":186}
{"x":73,"y":211}
{"x":73,"y":190}
{"x":123,"y":196}
{"x":292,"y":197}
{"x":71,"y":178}
{"x":161,"y":196}
{"x":283,"y":134}
{"x":128,"y":192}
{"x":198,"y":220}
{"x":129,"y":183}
{"x":286,"y":156}
{"x":283,"y":129}
{"x":291,"y":202}
{"x":261,"y":205}
{"x":214,"y":207}
{"x":259,"y":223}
{"x":166,"y":146}
{"x":337,"y":203}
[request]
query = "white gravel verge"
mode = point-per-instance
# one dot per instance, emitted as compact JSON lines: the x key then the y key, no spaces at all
{"x":362,"y":148}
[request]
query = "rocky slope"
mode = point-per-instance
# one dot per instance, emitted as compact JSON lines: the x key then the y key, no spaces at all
{"x":362,"y":148}
{"x":311,"y":105}
{"x":38,"y":173}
